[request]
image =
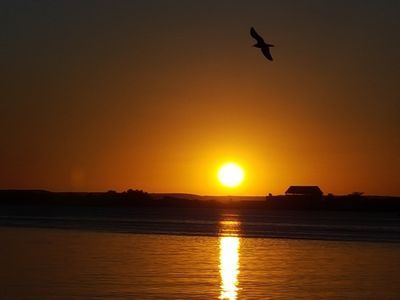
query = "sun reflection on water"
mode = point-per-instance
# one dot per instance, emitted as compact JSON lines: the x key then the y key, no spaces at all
{"x":229,"y":244}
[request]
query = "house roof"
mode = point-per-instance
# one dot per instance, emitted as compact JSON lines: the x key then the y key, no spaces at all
{"x":304,"y":190}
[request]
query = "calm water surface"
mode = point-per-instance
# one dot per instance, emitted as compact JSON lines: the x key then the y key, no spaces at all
{"x":74,"y":264}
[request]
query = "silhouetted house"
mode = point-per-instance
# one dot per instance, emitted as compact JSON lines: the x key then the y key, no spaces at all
{"x":308,"y":191}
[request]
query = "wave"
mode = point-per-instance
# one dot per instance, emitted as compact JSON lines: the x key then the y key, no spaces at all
{"x":287,"y":225}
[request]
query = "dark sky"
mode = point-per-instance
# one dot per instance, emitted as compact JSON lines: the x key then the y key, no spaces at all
{"x":156,"y":95}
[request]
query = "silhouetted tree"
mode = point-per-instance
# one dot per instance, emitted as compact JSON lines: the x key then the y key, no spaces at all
{"x":356,"y":194}
{"x":137,"y":195}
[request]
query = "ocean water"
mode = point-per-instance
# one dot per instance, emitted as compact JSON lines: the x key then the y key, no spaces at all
{"x":203,"y":221}
{"x":222,"y":256}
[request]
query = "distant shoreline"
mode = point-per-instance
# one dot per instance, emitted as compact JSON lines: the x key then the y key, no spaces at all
{"x":139,"y":198}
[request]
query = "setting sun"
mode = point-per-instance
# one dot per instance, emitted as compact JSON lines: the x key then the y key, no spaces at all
{"x":231,"y":175}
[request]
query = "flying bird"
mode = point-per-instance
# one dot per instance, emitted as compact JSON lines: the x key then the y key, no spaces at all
{"x":261,"y":44}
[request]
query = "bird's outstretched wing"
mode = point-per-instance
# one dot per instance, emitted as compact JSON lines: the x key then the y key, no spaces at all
{"x":267,"y":53}
{"x":255,"y":35}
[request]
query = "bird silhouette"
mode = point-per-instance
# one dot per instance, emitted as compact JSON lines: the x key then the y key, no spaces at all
{"x":261,"y":44}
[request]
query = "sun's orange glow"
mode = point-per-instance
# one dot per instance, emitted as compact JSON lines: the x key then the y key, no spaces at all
{"x":163,"y":117}
{"x":230,"y":175}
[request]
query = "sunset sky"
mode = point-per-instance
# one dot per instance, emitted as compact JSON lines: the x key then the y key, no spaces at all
{"x":157,"y":95}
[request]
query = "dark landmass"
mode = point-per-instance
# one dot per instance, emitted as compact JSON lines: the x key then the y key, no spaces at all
{"x":139,"y":198}
{"x":353,"y":217}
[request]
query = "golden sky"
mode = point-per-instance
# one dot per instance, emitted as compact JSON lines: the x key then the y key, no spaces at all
{"x":156,"y":95}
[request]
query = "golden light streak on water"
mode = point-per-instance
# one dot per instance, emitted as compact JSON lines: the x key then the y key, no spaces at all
{"x":229,"y":259}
